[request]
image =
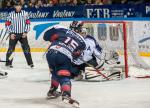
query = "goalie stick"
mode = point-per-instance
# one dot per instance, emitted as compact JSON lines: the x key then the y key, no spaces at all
{"x":112,"y":76}
{"x":99,"y":71}
{"x":103,"y":75}
{"x":96,"y":69}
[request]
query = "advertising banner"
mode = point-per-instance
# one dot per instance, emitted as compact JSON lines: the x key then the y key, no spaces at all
{"x":86,"y":11}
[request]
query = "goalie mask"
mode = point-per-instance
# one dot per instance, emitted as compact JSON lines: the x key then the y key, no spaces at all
{"x":83,"y":32}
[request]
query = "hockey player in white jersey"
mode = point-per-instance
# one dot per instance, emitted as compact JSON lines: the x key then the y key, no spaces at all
{"x":93,"y":55}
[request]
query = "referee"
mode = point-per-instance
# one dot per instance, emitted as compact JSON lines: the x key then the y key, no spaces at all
{"x":18,"y":25}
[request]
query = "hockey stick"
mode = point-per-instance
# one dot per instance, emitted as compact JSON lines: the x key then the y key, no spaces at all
{"x":1,"y":33}
{"x":98,"y":71}
{"x":117,"y":74}
{"x":3,"y":37}
{"x":9,"y":59}
{"x":4,"y":43}
{"x":113,"y":75}
{"x":109,"y":62}
{"x":3,"y":61}
{"x":46,"y":51}
{"x":7,"y":37}
{"x":106,"y":61}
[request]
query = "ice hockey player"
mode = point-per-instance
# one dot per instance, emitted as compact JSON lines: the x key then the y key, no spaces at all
{"x":94,"y":55}
{"x":65,"y":46}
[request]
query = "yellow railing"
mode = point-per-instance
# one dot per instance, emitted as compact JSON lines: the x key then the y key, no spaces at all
{"x":20,"y":50}
{"x":145,"y":54}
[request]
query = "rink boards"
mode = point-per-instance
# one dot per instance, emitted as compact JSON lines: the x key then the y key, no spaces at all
{"x":140,"y":31}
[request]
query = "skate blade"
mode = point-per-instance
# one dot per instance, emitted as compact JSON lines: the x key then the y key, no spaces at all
{"x":66,"y":101}
{"x":75,"y":105}
{"x":52,"y":97}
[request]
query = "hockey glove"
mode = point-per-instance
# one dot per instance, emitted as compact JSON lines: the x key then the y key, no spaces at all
{"x":112,"y":58}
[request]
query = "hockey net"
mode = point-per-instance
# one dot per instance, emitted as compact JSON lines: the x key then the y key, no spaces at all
{"x":118,"y":36}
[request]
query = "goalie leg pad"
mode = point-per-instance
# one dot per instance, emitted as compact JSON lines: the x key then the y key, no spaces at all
{"x":90,"y":73}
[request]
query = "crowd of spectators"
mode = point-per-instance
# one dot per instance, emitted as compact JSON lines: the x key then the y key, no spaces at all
{"x":47,"y":3}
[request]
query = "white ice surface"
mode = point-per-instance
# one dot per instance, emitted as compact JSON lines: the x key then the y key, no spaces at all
{"x":27,"y":88}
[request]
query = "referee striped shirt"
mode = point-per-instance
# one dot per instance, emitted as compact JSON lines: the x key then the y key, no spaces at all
{"x":18,"y":22}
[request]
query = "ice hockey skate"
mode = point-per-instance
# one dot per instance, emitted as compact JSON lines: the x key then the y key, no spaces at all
{"x":53,"y":94}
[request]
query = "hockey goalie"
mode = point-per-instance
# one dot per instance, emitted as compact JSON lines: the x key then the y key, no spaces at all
{"x":91,"y":63}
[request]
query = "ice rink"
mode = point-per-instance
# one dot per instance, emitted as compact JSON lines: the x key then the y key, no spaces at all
{"x":27,"y":88}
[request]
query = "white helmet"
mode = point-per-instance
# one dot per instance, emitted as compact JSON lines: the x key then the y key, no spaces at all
{"x":84,"y":30}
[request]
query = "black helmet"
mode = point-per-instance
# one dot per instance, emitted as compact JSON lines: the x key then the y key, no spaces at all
{"x":76,"y":26}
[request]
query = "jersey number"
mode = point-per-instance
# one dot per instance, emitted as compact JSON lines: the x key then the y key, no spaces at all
{"x":71,"y":42}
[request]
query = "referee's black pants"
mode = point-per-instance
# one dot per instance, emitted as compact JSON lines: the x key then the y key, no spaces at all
{"x":25,"y":46}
